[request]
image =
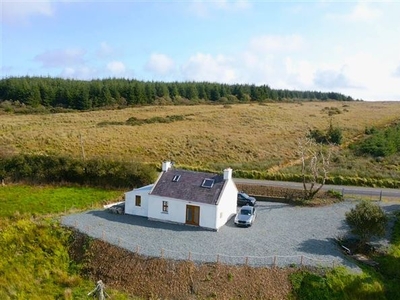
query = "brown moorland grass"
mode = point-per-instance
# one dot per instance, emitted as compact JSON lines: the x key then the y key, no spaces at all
{"x":246,"y":136}
{"x":157,"y":278}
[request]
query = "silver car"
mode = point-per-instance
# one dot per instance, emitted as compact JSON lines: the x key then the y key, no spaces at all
{"x":246,"y":215}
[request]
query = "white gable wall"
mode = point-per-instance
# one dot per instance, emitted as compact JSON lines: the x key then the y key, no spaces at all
{"x":227,"y":205}
{"x":208,"y":213}
{"x":130,"y":201}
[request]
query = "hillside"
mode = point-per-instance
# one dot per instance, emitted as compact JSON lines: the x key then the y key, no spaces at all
{"x":247,"y":136}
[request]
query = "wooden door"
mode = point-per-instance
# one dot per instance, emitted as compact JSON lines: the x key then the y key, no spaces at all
{"x":192,"y":215}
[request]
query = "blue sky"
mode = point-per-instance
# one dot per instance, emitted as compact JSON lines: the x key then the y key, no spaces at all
{"x":351,"y":47}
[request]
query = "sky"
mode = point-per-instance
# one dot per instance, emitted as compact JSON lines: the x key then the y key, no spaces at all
{"x":350,"y":47}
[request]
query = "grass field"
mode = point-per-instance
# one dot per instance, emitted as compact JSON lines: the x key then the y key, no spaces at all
{"x":245,"y":136}
{"x":35,"y":262}
{"x":43,"y":200}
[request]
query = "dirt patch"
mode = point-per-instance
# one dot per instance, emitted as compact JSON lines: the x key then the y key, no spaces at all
{"x":157,"y":278}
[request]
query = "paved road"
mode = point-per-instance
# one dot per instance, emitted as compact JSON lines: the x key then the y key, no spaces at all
{"x":354,"y":190}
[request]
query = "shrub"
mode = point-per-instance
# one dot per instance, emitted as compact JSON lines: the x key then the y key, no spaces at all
{"x":95,"y":172}
{"x":366,"y":220}
{"x":379,"y":143}
{"x":332,"y":136}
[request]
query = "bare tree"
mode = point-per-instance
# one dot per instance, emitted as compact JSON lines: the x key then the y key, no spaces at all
{"x":315,"y":159}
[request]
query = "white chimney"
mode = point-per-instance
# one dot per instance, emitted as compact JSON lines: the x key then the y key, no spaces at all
{"x":227,"y":174}
{"x":166,"y":165}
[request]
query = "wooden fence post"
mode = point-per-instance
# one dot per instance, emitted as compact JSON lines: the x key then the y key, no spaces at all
{"x":190,"y":255}
{"x":274,"y":261}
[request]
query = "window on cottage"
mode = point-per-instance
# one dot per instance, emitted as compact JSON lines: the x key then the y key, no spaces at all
{"x":138,"y":200}
{"x":208,"y":183}
{"x":165,"y":206}
{"x":176,"y":178}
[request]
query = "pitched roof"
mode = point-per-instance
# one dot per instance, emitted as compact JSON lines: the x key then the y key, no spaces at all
{"x":190,"y":186}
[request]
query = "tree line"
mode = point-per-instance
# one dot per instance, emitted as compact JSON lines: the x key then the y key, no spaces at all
{"x":111,"y":92}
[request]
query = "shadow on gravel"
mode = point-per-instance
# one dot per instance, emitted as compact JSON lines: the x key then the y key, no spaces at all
{"x":269,"y":206}
{"x":144,"y":222}
{"x":391,"y":208}
{"x":320,"y":247}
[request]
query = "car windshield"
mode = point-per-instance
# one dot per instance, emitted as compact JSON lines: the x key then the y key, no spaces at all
{"x":245,"y":195}
{"x":246,"y":212}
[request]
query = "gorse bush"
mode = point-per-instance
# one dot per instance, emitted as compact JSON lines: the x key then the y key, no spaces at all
{"x":379,"y":143}
{"x":332,"y":136}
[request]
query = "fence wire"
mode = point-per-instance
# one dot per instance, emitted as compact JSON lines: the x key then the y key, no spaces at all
{"x":253,"y":261}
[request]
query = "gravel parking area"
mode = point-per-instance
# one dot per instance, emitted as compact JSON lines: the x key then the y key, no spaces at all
{"x":281,"y":235}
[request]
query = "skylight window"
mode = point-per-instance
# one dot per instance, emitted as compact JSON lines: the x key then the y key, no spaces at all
{"x":208,"y":183}
{"x":176,"y":178}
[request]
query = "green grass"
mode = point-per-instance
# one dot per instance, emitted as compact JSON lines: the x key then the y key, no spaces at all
{"x":34,"y":260}
{"x":35,"y":263}
{"x":43,"y":200}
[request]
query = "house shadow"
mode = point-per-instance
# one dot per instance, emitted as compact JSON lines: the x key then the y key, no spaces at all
{"x":140,"y":221}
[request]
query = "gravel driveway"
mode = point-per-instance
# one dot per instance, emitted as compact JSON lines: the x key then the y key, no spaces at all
{"x":281,"y":235}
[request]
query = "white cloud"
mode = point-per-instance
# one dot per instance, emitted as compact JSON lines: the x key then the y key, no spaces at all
{"x":205,"y":67}
{"x":79,"y":72}
{"x":160,"y":64}
{"x":276,"y":43}
{"x":116,"y":68}
{"x":15,"y":12}
{"x":105,"y":50}
{"x":231,"y":5}
{"x":61,"y":57}
{"x":299,"y":74}
{"x":205,"y":8}
{"x":362,"y":12}
{"x":331,"y":79}
{"x":396,"y":73}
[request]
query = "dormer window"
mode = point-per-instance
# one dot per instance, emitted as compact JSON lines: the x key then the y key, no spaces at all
{"x":208,"y":183}
{"x":176,"y":178}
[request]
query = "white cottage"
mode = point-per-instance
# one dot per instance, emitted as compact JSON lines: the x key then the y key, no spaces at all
{"x":187,"y":197}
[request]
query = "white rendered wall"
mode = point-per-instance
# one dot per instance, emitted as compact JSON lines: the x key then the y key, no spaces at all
{"x":130,"y":199}
{"x":177,"y":211}
{"x":227,"y":206}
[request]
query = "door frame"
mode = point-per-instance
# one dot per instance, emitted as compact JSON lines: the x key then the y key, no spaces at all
{"x":192,"y":215}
